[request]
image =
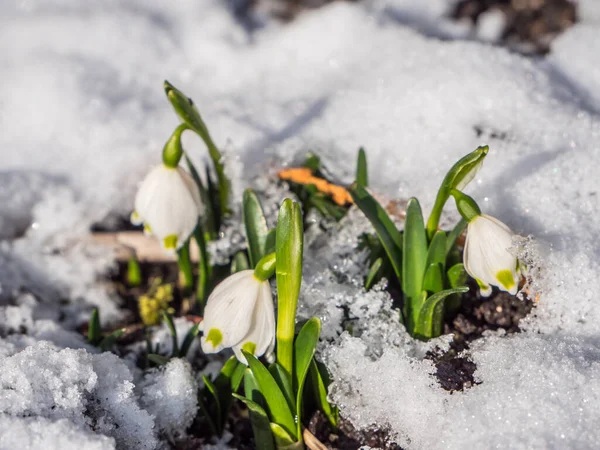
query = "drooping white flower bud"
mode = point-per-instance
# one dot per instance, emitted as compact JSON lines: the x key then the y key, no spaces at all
{"x":168,"y":204}
{"x":487,"y":257}
{"x":240,"y":314}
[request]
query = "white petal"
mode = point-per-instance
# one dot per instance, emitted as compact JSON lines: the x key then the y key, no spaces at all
{"x":230,"y":309}
{"x":261,"y":335}
{"x":486,"y":251}
{"x":167,"y":205}
{"x":193,"y":188}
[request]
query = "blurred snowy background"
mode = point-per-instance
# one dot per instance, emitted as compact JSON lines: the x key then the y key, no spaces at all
{"x":83,"y":116}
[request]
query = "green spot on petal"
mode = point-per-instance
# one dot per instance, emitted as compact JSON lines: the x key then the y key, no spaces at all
{"x":215,"y":337}
{"x":505,"y":277}
{"x":134,"y":218}
{"x":147,"y":229}
{"x":250,"y":347}
{"x":170,"y":242}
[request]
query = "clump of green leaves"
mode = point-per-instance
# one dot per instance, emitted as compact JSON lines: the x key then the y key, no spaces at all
{"x":424,"y":259}
{"x":274,"y":393}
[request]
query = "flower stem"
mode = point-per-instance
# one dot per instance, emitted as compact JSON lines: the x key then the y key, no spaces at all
{"x":185,"y":267}
{"x":265,"y":267}
{"x":457,"y":177}
{"x":204,"y":269}
{"x":173,"y":150}
{"x":467,"y":206}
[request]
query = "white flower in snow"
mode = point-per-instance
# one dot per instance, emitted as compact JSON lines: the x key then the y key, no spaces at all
{"x":486,"y":255}
{"x":239,"y":314}
{"x":168,"y":203}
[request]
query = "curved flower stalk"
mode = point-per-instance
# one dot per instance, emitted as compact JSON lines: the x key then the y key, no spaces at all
{"x":486,"y":256}
{"x":168,"y":204}
{"x":239,"y":314}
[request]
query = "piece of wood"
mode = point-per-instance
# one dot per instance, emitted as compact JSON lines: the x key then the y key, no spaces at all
{"x":130,"y":244}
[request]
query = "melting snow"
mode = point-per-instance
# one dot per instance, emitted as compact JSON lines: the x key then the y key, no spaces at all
{"x":83,"y":116}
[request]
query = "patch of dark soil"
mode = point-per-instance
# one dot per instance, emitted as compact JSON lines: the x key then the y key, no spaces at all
{"x":477,"y":314}
{"x":346,"y":437}
{"x":530,"y":25}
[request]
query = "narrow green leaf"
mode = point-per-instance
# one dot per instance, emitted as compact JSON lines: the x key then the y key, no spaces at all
{"x":240,"y":262}
{"x":276,"y":403}
{"x":284,"y":384}
{"x":189,"y":338}
{"x":320,"y":393}
{"x":214,"y":394}
{"x":433,"y":281}
{"x":437,"y":249}
{"x":283,"y":440}
{"x":168,"y":318}
{"x":270,"y":245}
{"x":256,"y":227}
{"x":431,"y":318}
{"x":372,"y":276}
{"x":289,"y":276}
{"x":94,"y":329}
{"x":213,"y":195}
{"x":414,"y":259}
{"x":457,"y":275}
{"x":109,"y":341}
{"x":231,"y":375}
{"x":208,"y":415}
{"x":261,"y":425}
{"x":157,"y":359}
{"x":388,"y":234}
{"x":434,"y":278}
{"x":326,"y":207}
{"x":237,"y":377}
{"x":204,"y":268}
{"x":208,"y":218}
{"x":362,"y":174}
{"x":304,"y":351}
{"x":252,"y":390}
{"x":454,"y":234}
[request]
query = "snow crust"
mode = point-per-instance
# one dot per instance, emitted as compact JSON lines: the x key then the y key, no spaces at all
{"x":83,"y":116}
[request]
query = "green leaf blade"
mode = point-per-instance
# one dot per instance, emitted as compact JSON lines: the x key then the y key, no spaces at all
{"x":431,"y":317}
{"x":304,"y":352}
{"x":372,"y":276}
{"x":414,"y":259}
{"x":388,"y":234}
{"x":261,"y":425}
{"x":94,"y":329}
{"x":279,"y":411}
{"x":362,"y":174}
{"x":320,"y":391}
{"x":256,"y":227}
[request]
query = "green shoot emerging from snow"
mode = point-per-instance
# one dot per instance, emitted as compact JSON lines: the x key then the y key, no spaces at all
{"x":425,"y":259}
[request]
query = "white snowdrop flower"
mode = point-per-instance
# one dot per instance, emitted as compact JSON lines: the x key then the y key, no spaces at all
{"x":168,"y":204}
{"x":486,"y":255}
{"x":240,"y":314}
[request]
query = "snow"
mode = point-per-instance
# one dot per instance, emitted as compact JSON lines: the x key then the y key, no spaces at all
{"x":170,"y":395}
{"x":83,"y":116}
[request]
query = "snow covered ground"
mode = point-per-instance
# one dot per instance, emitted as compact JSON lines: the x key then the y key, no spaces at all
{"x":83,"y":116}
